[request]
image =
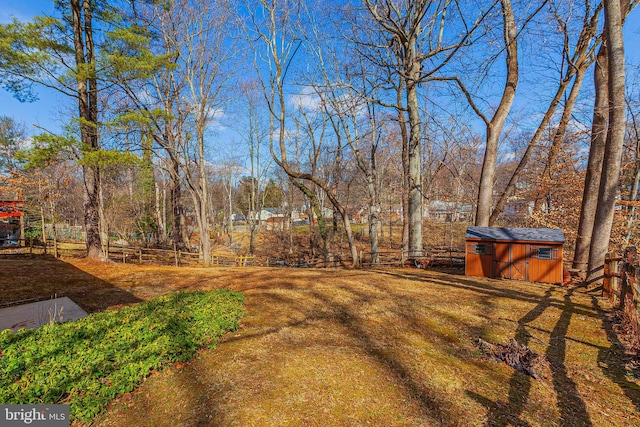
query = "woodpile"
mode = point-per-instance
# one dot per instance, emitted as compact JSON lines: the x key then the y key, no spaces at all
{"x":518,"y":356}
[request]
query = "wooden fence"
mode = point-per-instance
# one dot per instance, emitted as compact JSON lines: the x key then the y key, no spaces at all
{"x":621,"y":284}
{"x":126,"y":254}
{"x":433,"y":257}
{"x":30,"y":246}
{"x":137,"y":255}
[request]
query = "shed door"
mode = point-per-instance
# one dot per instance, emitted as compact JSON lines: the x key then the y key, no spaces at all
{"x":518,"y":261}
{"x":511,"y":261}
{"x":501,"y":261}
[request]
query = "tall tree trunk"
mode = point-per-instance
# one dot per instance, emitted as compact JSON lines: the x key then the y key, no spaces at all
{"x":314,"y":210}
{"x":88,"y":113}
{"x":175,"y":196}
{"x":404,"y":135}
{"x":203,"y":228}
{"x":203,"y":204}
{"x":599,"y":126}
{"x":494,"y":127}
{"x":414,"y":162}
{"x":614,"y":145}
{"x":597,"y":150}
{"x":160,"y":218}
{"x":485,"y":191}
{"x":374,"y":212}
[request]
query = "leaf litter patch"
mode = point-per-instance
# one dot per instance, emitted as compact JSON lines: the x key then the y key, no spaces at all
{"x":518,"y":356}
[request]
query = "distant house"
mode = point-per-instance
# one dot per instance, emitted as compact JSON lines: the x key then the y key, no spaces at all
{"x":533,"y":254}
{"x":269,"y":215}
{"x":238,"y":217}
{"x":442,"y":211}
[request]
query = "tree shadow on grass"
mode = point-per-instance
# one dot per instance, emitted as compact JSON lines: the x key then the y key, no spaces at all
{"x":348,"y":316}
{"x":570,"y":404}
{"x":41,"y":277}
{"x":572,"y":408}
{"x":280,"y":310}
{"x":612,"y":360}
{"x":509,"y":413}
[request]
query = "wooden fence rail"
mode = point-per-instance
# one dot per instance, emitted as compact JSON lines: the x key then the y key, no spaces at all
{"x":398,"y":258}
{"x":621,"y":284}
{"x":32,"y":246}
{"x":125,"y":254}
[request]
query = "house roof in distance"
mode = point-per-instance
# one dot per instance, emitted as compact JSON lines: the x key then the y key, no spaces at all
{"x":523,"y":234}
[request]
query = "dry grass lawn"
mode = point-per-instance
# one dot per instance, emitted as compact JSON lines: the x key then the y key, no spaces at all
{"x":361,"y":347}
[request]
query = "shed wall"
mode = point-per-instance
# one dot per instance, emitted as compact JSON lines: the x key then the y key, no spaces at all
{"x":514,"y":260}
{"x":479,"y":264}
{"x":542,"y":270}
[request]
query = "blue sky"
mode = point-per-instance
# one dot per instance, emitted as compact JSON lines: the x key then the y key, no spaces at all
{"x":48,"y":111}
{"x":42,"y":112}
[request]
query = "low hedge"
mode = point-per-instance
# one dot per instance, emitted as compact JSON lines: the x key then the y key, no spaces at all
{"x":89,"y":362}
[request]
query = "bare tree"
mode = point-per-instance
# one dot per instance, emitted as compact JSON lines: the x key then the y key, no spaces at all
{"x":495,"y":124}
{"x":599,"y":137}
{"x":255,"y":137}
{"x":346,"y":95}
{"x":280,"y":46}
{"x":415,"y":33}
{"x":576,"y":61}
{"x":614,"y":12}
{"x":204,"y":51}
{"x":185,"y":96}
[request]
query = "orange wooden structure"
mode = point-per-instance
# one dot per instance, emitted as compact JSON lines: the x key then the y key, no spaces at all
{"x":533,"y":254}
{"x":11,"y":208}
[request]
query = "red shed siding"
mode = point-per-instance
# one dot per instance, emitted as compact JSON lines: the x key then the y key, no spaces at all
{"x":514,"y":260}
{"x":479,"y":264}
{"x":545,"y":270}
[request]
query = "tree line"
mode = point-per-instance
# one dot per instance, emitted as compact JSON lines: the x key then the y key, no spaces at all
{"x":186,"y":113}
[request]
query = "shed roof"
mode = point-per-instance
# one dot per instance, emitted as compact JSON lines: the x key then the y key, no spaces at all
{"x":528,"y":234}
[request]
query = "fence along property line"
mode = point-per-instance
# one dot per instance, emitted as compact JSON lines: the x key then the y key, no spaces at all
{"x":435,"y":256}
{"x":128,"y":254}
{"x":34,"y":246}
{"x":398,"y":258}
{"x":621,"y":284}
{"x":138,"y":255}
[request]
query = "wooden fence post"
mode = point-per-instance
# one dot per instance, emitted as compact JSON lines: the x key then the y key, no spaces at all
{"x":140,"y":256}
{"x":629,"y":262}
{"x":606,"y":276}
{"x":610,"y":283}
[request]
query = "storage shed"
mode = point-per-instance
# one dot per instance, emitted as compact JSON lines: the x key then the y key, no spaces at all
{"x":533,"y":254}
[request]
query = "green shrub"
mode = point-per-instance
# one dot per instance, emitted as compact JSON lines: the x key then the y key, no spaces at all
{"x":89,"y":362}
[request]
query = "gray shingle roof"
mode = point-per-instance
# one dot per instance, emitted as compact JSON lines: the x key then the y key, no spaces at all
{"x":529,"y":234}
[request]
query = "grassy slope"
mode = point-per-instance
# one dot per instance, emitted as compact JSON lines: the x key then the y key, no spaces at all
{"x":390,"y":347}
